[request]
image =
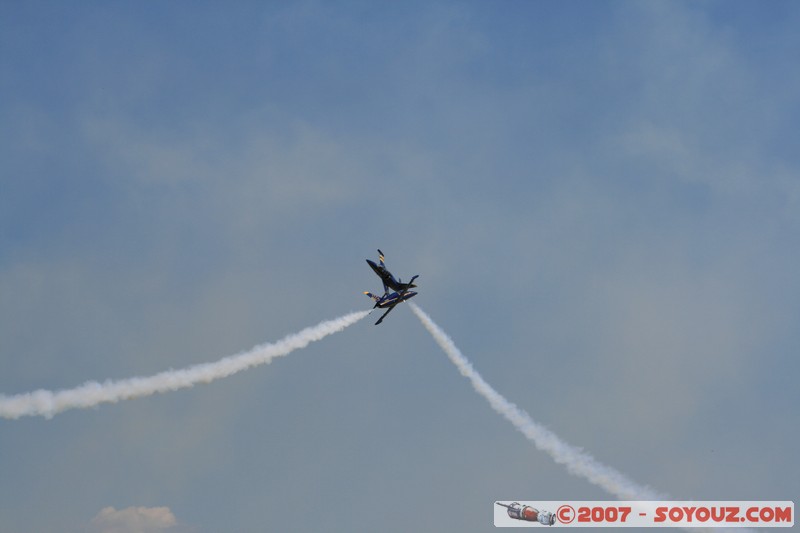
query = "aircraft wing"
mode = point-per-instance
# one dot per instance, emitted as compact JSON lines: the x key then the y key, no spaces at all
{"x":389,"y":310}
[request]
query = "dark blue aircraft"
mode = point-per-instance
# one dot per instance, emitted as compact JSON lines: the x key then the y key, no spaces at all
{"x":401,"y":290}
{"x":388,"y":280}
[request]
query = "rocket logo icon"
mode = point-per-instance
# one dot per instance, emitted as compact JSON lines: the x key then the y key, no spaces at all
{"x":528,"y":513}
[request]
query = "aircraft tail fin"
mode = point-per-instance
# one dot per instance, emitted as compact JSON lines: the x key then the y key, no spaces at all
{"x":371,"y":295}
{"x":375,"y":298}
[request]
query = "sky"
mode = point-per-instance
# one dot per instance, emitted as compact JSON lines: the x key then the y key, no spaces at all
{"x":601,"y":199}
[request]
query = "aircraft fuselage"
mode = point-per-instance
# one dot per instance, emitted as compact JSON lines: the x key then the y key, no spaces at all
{"x":394,"y":298}
{"x":388,"y":278}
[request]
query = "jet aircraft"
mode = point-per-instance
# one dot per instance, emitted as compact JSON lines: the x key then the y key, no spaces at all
{"x":389,"y":300}
{"x":388,"y":280}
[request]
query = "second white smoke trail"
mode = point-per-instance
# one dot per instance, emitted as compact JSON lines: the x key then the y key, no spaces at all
{"x":48,"y":403}
{"x":576,"y":460}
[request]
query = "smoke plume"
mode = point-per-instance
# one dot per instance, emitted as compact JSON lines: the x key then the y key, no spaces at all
{"x":48,"y":403}
{"x":576,"y":460}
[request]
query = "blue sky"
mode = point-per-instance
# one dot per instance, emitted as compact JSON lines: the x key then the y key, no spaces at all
{"x":601,"y":200}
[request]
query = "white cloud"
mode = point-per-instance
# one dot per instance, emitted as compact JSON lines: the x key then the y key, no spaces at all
{"x":134,"y":520}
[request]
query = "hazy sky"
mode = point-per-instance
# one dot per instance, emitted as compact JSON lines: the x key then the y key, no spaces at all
{"x":602,"y":200}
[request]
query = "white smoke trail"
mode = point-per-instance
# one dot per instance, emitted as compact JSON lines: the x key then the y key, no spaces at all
{"x":48,"y":403}
{"x":576,"y":460}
